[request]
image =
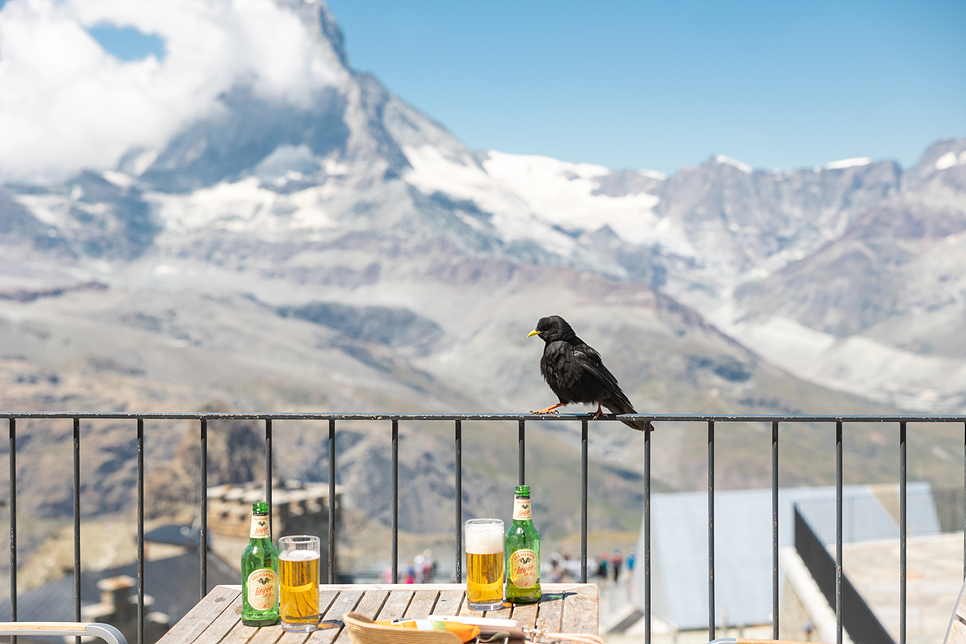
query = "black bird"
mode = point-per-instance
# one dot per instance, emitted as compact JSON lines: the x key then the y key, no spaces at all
{"x":575,"y":372}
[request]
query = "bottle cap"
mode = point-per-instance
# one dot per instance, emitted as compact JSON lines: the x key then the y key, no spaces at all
{"x":260,"y":507}
{"x":523,"y":490}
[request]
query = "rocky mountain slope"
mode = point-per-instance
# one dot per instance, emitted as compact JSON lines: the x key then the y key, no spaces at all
{"x":879,"y":310}
{"x":343,"y":252}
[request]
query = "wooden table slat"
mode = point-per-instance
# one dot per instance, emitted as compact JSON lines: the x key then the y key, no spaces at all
{"x":293,"y":638}
{"x":501,"y":613}
{"x":526,"y":614}
{"x":449,"y":602}
{"x":465,"y":610}
{"x":372,"y":603}
{"x":581,"y":610}
{"x":347,"y":602}
{"x":570,"y":608}
{"x":422,"y":604}
{"x":496,"y":613}
{"x":550,"y":611}
{"x":397,"y":603}
{"x":222,"y":624}
{"x":370,"y":606}
{"x":239,"y":634}
{"x":267,"y":635}
{"x":326,"y":597}
{"x":202,"y":615}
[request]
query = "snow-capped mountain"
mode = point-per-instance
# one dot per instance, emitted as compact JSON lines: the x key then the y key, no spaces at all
{"x":880,"y":310}
{"x":341,"y":250}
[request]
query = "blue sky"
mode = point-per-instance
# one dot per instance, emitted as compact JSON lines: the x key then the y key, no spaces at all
{"x":642,"y":85}
{"x":661,"y":85}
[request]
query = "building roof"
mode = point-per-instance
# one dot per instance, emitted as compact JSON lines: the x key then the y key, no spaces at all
{"x":175,"y":535}
{"x":743,"y":545}
{"x":174,"y":583}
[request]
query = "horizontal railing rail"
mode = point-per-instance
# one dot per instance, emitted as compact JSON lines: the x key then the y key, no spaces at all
{"x":332,"y":419}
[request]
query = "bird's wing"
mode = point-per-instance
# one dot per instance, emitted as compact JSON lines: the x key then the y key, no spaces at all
{"x":615,"y":401}
{"x":588,"y":358}
{"x":590,"y":361}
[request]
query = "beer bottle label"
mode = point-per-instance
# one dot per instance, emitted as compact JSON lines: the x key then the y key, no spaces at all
{"x":524,"y":567}
{"x":261,"y":529}
{"x":262,"y":589}
{"x":521,"y":509}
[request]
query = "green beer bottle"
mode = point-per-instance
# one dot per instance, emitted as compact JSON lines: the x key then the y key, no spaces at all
{"x":522,"y":552}
{"x":259,"y":568}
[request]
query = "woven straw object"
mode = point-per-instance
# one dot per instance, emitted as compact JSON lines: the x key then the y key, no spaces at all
{"x":363,"y":630}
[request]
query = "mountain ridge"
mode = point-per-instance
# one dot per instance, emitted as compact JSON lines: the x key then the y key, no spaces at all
{"x":351,"y":254}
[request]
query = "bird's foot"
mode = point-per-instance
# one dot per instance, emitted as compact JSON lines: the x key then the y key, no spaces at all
{"x":552,"y":409}
{"x":600,"y":412}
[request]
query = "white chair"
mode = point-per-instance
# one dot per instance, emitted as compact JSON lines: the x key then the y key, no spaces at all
{"x":45,"y":629}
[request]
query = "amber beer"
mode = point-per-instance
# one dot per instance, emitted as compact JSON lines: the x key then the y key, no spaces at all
{"x":484,"y":564}
{"x":299,"y":583}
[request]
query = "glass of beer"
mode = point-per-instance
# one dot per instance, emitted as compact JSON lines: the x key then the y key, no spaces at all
{"x":298,"y":559}
{"x":484,"y":564}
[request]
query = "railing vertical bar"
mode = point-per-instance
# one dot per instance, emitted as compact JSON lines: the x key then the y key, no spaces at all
{"x":268,"y":475}
{"x":13,"y":523}
{"x":711,"y":620}
{"x":521,"y":458}
{"x":395,"y":501}
{"x":774,"y":529}
{"x":203,"y":543}
{"x":77,"y":548}
{"x":331,"y":574}
{"x":647,"y":534}
{"x":459,"y":501}
{"x":140,"y":531}
{"x":583,"y":501}
{"x":902,"y":533}
{"x":964,"y":500}
{"x":838,"y":532}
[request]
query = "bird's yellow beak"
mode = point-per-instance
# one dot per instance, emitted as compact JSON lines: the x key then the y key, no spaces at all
{"x":533,"y":333}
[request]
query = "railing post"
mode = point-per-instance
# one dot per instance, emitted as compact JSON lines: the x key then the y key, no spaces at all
{"x":13,"y":523}
{"x":77,"y":548}
{"x":838,"y":532}
{"x":268,"y":475}
{"x":583,"y":501}
{"x":902,"y":533}
{"x":647,"y":534}
{"x":521,"y":457}
{"x":459,"y":501}
{"x":203,"y":544}
{"x":711,"y":619}
{"x":331,"y":501}
{"x":140,"y":531}
{"x":774,"y":528}
{"x":395,"y":501}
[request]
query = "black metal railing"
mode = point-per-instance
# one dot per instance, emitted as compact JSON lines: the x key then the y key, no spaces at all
{"x":457,"y":419}
{"x":872,"y":514}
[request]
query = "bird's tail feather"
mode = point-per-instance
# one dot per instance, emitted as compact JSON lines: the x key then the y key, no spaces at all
{"x":624,"y":407}
{"x":639,"y":425}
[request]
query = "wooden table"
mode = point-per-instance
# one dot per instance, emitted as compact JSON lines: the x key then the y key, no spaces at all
{"x":568,"y":608}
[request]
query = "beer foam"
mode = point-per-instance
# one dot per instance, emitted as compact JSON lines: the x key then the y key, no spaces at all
{"x":484,"y":539}
{"x":299,"y":555}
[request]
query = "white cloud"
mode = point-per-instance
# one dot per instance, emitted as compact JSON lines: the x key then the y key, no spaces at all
{"x":66,"y":104}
